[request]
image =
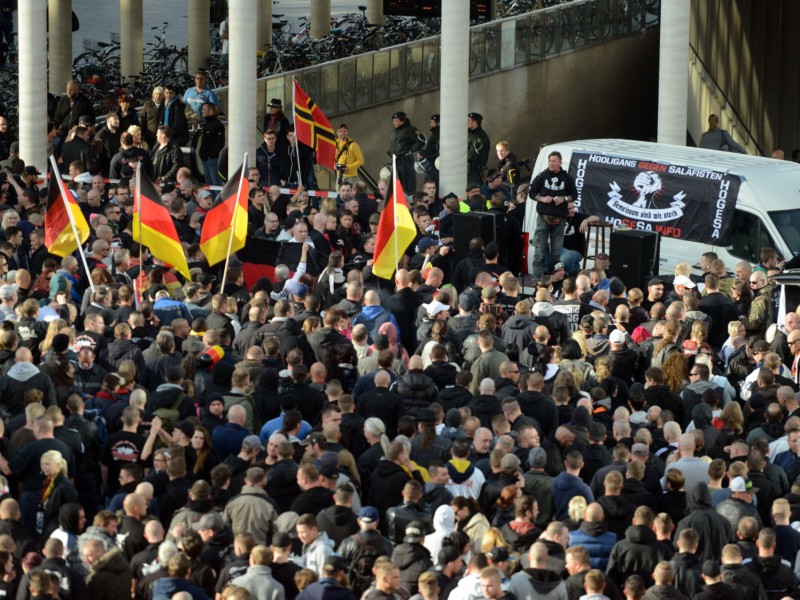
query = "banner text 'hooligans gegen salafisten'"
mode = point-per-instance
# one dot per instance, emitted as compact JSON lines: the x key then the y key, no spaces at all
{"x":696,"y":205}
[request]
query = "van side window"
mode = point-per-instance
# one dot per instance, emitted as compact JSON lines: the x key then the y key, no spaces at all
{"x":749,"y":236}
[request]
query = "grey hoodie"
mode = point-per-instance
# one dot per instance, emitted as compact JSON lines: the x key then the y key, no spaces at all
{"x":444,"y":522}
{"x":23,"y":371}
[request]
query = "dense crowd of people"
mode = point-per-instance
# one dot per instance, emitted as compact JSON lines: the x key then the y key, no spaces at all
{"x":333,"y":435}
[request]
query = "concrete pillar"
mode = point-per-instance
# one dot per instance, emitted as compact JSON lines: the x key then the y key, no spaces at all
{"x":320,"y":18}
{"x":264,"y":39}
{"x":33,"y":82}
{"x":673,"y":75}
{"x":242,"y":82}
{"x":454,"y":97}
{"x":59,"y":22}
{"x":131,"y":37}
{"x":375,"y":12}
{"x":199,"y":34}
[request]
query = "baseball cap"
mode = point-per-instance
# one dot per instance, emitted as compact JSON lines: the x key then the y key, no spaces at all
{"x":205,"y":279}
{"x":473,"y":186}
{"x":210,"y":521}
{"x":616,"y":337}
{"x":368,"y":514}
{"x":537,"y":457}
{"x":467,"y":301}
{"x":314,"y":437}
{"x":488,"y":292}
{"x":640,"y":449}
{"x":711,"y":568}
{"x":742,"y":484}
{"x":587,"y":322}
{"x":329,"y":471}
{"x":427,"y":242}
{"x":375,"y":218}
{"x":415,"y":531}
{"x":432,"y":309}
{"x":8,"y":290}
{"x":204,"y":193}
{"x":597,"y":432}
{"x":333,"y":564}
{"x":252,"y":441}
{"x":32,"y":171}
{"x":683,"y":280}
{"x":498,"y":554}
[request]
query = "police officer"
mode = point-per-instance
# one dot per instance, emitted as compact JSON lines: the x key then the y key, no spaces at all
{"x":406,"y":141}
{"x":478,"y":148}
{"x":431,"y":150}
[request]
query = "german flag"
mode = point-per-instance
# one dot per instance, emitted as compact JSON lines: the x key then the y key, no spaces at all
{"x":396,"y":231}
{"x":154,"y":228}
{"x":313,"y":128}
{"x":59,"y":237}
{"x":225,"y":225}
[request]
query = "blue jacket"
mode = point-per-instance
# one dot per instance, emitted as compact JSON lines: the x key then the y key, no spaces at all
{"x":276,"y":425}
{"x":167,"y":310}
{"x":565,"y":488}
{"x":167,"y":587}
{"x":227,"y":439}
{"x":326,"y":589}
{"x":373,"y":317}
{"x":597,"y":541}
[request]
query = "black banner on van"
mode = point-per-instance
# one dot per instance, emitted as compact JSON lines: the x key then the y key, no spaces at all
{"x":679,"y":202}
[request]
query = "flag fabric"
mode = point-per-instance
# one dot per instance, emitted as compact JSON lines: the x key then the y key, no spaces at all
{"x":396,"y":231}
{"x":260,"y":257}
{"x":154,"y":228}
{"x":229,"y":210}
{"x":313,"y":128}
{"x":59,"y":237}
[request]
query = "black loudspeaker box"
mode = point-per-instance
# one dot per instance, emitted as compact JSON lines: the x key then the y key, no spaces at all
{"x":471,"y":225}
{"x":634,"y":256}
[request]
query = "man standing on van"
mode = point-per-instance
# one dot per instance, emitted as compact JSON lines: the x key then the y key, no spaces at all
{"x":552,"y":189}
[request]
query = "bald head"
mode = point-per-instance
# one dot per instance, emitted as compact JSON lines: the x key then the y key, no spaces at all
{"x":401,"y":279}
{"x":594,"y":513}
{"x":687,"y":445}
{"x":371,"y":298}
{"x":23,"y":355}
{"x":382,"y":379}
{"x":237,"y":414}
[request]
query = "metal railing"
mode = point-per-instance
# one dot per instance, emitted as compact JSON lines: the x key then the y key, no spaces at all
{"x":387,"y":75}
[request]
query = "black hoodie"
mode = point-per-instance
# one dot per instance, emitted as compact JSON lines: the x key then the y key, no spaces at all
{"x":663,"y":592}
{"x":339,"y":522}
{"x":413,"y":559}
{"x":637,"y":554}
{"x":776,"y":576}
{"x":687,"y":573}
{"x":713,"y":529}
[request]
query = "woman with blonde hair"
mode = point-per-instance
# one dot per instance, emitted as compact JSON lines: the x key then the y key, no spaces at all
{"x":676,"y":372}
{"x":668,"y":344}
{"x":10,"y":218}
{"x":470,"y":519}
{"x":138,"y":140}
{"x":56,"y":491}
{"x":575,"y":510}
{"x":54,"y":327}
{"x":152,"y":115}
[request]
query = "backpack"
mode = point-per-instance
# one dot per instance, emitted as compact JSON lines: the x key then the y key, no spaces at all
{"x":170,"y":416}
{"x":360,"y":573}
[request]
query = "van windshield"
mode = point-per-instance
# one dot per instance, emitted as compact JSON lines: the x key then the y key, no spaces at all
{"x":787,"y":222}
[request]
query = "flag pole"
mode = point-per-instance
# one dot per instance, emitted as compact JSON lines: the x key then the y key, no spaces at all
{"x":233,"y":225}
{"x":394,"y":211}
{"x":55,"y":173}
{"x":296,"y":141}
{"x":139,"y":213}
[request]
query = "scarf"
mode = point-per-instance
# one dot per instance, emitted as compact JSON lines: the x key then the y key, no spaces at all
{"x":49,"y":486}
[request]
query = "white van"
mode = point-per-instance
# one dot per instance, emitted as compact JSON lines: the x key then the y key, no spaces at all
{"x":698,"y":200}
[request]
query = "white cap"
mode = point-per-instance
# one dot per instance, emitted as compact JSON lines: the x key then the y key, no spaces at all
{"x":435,"y":307}
{"x":616,"y":337}
{"x":684,"y":281}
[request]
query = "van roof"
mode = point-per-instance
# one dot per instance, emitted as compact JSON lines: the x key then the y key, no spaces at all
{"x":749,"y":167}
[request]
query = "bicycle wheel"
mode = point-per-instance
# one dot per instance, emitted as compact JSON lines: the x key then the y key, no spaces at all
{"x":180,"y":63}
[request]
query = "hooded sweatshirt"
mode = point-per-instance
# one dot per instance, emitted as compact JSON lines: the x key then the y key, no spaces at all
{"x":444,"y":522}
{"x":315,"y":553}
{"x":465,"y":479}
{"x":565,"y":488}
{"x":713,"y":529}
{"x":542,"y":584}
